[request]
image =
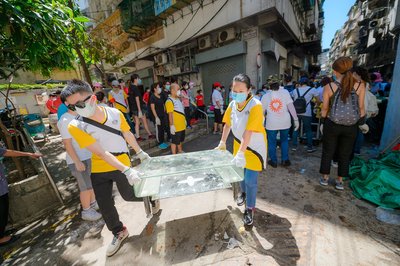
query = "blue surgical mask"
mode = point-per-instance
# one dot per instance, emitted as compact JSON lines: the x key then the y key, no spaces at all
{"x":167,"y":87}
{"x":239,"y":97}
{"x":140,"y":82}
{"x":334,"y":77}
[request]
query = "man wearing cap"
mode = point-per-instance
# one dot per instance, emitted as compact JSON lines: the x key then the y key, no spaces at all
{"x":218,"y":103}
{"x":306,"y":118}
{"x":118,"y":98}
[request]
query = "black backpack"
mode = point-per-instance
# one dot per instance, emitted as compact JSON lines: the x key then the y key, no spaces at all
{"x":300,"y":104}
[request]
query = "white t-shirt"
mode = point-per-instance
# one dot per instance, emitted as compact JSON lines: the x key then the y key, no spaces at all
{"x":311,"y":94}
{"x":217,"y":97}
{"x":275,"y":104}
{"x":62,"y":124}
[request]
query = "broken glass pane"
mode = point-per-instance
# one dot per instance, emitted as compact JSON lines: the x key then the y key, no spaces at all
{"x":187,"y":173}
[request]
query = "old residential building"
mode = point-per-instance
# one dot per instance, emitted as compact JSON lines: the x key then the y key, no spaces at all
{"x":210,"y":40}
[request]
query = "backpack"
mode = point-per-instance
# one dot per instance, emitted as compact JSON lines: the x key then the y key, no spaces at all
{"x":344,"y":113}
{"x":300,"y":104}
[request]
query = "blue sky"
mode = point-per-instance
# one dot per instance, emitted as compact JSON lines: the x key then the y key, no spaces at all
{"x":335,"y":16}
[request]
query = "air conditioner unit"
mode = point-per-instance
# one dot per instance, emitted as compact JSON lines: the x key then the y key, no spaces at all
{"x":204,"y":42}
{"x":363,"y":31}
{"x":161,"y":59}
{"x":373,"y":23}
{"x":226,"y":35}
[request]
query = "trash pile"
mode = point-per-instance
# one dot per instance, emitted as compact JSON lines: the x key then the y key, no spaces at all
{"x":377,"y":180}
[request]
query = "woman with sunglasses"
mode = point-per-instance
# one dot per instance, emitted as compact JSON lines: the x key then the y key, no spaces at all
{"x":104,"y":132}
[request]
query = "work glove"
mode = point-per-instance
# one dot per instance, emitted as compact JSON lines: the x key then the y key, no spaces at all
{"x":142,"y":156}
{"x":321,"y":128}
{"x":239,"y":160}
{"x":172,"y":129}
{"x":364,"y":128}
{"x":132,"y":175}
{"x":222,"y":111}
{"x":158,"y":121}
{"x":296,"y":125}
{"x":140,"y":114}
{"x":221,"y":146}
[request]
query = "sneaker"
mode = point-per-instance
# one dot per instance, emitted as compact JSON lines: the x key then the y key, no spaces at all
{"x":311,"y":150}
{"x":155,"y":206}
{"x":339,"y":185}
{"x":323,"y":181}
{"x":140,"y":139}
{"x":248,"y":216}
{"x":94,"y":205}
{"x":273,"y":164}
{"x":286,"y":163}
{"x":163,"y":146}
{"x":241,"y":199}
{"x":117,"y":241}
{"x":152,"y":136}
{"x":188,"y":127}
{"x":334,"y":164}
{"x":294,"y":148}
{"x":90,"y":215}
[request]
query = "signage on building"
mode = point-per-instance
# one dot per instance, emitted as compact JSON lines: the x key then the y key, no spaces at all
{"x":249,"y":34}
{"x":162,"y":5}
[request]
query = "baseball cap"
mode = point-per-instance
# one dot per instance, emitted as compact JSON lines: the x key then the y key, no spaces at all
{"x":217,"y":84}
{"x":115,"y":83}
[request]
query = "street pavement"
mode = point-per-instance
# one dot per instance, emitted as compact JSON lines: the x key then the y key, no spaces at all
{"x":297,"y":222}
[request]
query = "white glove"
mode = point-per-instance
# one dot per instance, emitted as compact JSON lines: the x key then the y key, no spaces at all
{"x":364,"y":128}
{"x":172,"y":129}
{"x":222,"y":111}
{"x":321,"y":128}
{"x":221,"y":146}
{"x":132,"y":175}
{"x":239,"y":160}
{"x":296,"y":125}
{"x":158,"y":121}
{"x":140,"y":114}
{"x":142,"y":155}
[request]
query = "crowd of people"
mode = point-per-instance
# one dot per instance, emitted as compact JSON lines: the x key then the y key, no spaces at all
{"x":97,"y":125}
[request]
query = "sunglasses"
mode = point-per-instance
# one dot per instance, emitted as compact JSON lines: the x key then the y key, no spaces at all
{"x":80,"y":104}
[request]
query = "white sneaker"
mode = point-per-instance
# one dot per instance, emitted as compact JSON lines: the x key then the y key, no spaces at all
{"x":155,"y":206}
{"x":90,"y":215}
{"x":94,"y":205}
{"x":117,"y":241}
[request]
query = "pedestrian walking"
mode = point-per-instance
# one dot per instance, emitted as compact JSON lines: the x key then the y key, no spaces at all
{"x":302,"y":97}
{"x":244,"y":116}
{"x":177,"y":120}
{"x":79,"y":163}
{"x":105,"y":133}
{"x":278,"y":105}
{"x":135,"y":106}
{"x":157,"y":110}
{"x":342,"y":114}
{"x":218,"y":104}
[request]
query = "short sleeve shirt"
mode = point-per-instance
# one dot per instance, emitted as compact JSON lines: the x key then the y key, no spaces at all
{"x":158,"y":105}
{"x":119,"y":100}
{"x":62,"y":124}
{"x":275,"y":104}
{"x":3,"y":179}
{"x":217,"y":97}
{"x":175,"y":106}
{"x":185,"y":98}
{"x":133,"y":93}
{"x":200,"y":100}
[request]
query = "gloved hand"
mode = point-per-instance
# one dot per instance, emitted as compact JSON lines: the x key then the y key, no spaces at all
{"x":296,"y":125}
{"x":132,"y":175}
{"x":222,"y":111}
{"x":172,"y":129}
{"x":364,"y":128}
{"x":321,"y":128}
{"x":221,"y":146}
{"x":158,"y":121}
{"x":142,"y":155}
{"x":239,"y":160}
{"x":140,"y":114}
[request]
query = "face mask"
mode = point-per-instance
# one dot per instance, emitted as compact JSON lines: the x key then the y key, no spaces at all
{"x":239,"y":97}
{"x":223,"y":90}
{"x":158,"y":90}
{"x":167,"y":87}
{"x":139,"y":82}
{"x":334,"y":77}
{"x":178,"y":93}
{"x":186,"y":87}
{"x":87,"y":111}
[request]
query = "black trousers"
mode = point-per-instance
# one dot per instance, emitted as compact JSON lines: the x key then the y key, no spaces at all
{"x":102,"y":185}
{"x":187,"y":115}
{"x":200,"y":114}
{"x":337,"y":140}
{"x":161,"y":129}
{"x":3,"y":214}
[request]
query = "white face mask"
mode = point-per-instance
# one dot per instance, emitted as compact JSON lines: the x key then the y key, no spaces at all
{"x":158,"y":90}
{"x":178,"y":93}
{"x":88,"y":110}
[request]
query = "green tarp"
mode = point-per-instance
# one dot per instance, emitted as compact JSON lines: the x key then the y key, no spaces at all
{"x":377,"y":180}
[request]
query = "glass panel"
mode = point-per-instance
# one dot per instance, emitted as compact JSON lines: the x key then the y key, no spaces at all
{"x":188,"y":173}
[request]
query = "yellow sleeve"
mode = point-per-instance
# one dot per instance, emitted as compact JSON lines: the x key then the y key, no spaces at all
{"x":124,"y":125}
{"x":169,"y":106}
{"x":82,"y":138}
{"x":256,"y":119}
{"x":227,"y":116}
{"x":125,"y":95}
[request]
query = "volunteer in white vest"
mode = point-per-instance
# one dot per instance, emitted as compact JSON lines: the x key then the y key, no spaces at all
{"x":244,"y":116}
